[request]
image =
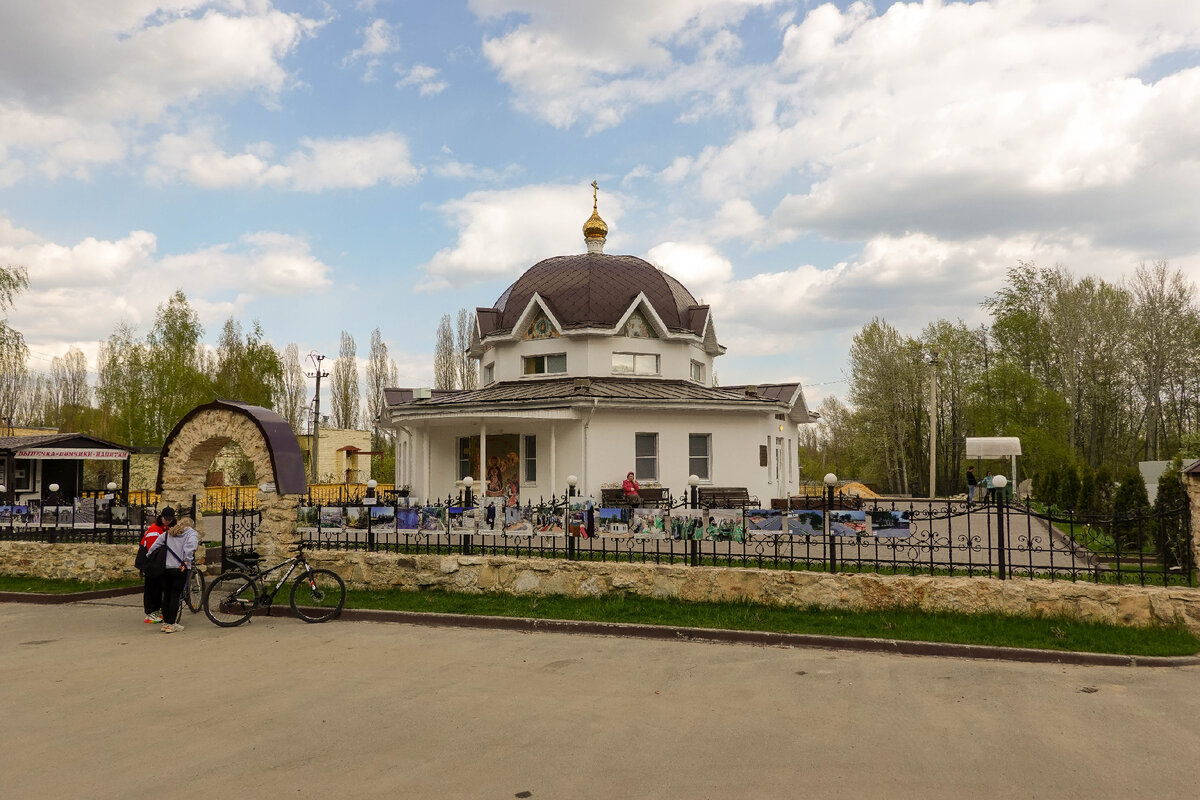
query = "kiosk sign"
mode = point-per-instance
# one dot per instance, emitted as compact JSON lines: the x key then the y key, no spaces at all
{"x":51,"y":453}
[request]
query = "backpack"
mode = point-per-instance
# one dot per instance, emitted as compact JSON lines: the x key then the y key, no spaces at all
{"x":140,"y":560}
{"x":156,"y":562}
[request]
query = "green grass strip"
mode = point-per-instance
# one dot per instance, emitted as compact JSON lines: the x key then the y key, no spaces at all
{"x":11,"y":583}
{"x":909,"y":625}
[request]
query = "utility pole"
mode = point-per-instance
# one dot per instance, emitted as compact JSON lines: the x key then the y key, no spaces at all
{"x":316,"y":358}
{"x":932,"y":360}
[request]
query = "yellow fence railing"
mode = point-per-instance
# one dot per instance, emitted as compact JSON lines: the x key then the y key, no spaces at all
{"x":246,"y":497}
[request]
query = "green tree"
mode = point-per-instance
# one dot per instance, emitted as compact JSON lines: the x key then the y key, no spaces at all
{"x":1087,"y":502}
{"x":1171,"y":517}
{"x":247,"y":369}
{"x":1131,"y":505}
{"x":1068,"y":488}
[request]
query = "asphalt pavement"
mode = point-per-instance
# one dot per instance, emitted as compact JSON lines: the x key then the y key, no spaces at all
{"x":97,"y":704}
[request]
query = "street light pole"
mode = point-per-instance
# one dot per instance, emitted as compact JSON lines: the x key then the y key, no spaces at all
{"x":933,"y":362}
{"x":316,"y":358}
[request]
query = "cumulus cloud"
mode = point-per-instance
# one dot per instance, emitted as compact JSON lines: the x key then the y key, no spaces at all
{"x":567,"y":61}
{"x":963,"y":120}
{"x":379,"y":39}
{"x":96,"y":283}
{"x":502,"y":233}
{"x":80,"y":79}
{"x":317,"y":165}
{"x":422,"y":76}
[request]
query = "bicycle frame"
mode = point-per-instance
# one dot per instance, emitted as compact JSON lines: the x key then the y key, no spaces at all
{"x":264,"y":591}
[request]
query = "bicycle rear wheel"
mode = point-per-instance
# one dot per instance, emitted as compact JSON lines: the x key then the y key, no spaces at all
{"x":193,"y":590}
{"x":318,"y":596}
{"x":230,"y":599}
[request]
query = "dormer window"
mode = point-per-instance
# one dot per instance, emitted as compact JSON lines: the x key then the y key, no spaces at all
{"x":541,"y":365}
{"x":697,"y":372}
{"x":489,"y":373}
{"x":635,"y":364}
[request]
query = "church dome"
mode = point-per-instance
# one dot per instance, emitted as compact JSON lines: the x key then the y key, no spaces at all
{"x":595,"y":290}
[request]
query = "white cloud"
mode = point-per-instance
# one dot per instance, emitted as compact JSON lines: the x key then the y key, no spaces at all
{"x":79,"y":80}
{"x":379,"y":39}
{"x":318,"y":165}
{"x":966,"y":120}
{"x":96,"y":283}
{"x":911,"y":280}
{"x":504,"y":232}
{"x":423,"y":77}
{"x":566,"y":61}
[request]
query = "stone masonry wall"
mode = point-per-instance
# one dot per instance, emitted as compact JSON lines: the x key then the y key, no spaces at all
{"x":1129,"y":605}
{"x":79,"y":562}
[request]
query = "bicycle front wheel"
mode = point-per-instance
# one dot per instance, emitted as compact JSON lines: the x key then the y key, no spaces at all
{"x":318,"y":595}
{"x":230,"y":599}
{"x":193,"y":590}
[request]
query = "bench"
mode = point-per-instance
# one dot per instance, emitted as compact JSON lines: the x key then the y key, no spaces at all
{"x":725,"y":497}
{"x":651,"y":497}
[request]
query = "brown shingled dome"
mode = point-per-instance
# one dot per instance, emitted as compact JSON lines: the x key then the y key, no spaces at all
{"x":595,"y":290}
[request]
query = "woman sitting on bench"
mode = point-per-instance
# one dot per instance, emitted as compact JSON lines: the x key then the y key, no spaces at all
{"x":630,"y":490}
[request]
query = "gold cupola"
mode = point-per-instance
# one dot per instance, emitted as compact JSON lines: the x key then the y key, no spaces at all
{"x":595,"y":230}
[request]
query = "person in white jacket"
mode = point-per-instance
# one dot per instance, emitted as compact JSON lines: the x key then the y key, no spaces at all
{"x":181,"y":542}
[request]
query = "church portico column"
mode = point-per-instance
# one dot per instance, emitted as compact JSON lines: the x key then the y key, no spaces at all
{"x":483,"y":459}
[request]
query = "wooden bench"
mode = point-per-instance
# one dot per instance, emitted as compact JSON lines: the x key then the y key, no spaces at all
{"x":725,"y":497}
{"x":651,"y":497}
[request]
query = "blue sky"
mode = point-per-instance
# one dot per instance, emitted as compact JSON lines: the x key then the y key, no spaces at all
{"x":325,"y":166}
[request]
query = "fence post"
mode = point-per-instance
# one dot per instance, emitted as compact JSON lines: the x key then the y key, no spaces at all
{"x":829,"y":542}
{"x":370,"y":530}
{"x":1001,"y":545}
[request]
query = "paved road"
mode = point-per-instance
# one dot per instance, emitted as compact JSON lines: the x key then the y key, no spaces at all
{"x":92,"y":698}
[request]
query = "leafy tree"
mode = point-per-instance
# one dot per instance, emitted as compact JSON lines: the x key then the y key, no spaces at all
{"x":1087,"y":501}
{"x":344,"y":389}
{"x":175,"y":366}
{"x":1130,"y":505}
{"x":381,"y":373}
{"x":1105,"y":489}
{"x":1047,"y":488}
{"x":1068,"y":488}
{"x":1171,"y":517}
{"x":248,"y":369}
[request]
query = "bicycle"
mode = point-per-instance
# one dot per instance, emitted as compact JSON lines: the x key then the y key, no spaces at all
{"x":193,"y":589}
{"x":317,"y":594}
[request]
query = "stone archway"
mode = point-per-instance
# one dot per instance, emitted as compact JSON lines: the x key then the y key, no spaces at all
{"x":265,"y":438}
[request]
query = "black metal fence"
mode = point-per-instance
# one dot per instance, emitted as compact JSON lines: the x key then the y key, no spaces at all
{"x":80,"y":520}
{"x":912,"y":537}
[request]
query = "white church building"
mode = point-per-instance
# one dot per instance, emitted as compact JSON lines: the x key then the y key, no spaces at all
{"x":593,"y":366}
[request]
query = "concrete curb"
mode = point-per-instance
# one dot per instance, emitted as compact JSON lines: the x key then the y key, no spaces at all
{"x":41,"y":598}
{"x":766,"y":639}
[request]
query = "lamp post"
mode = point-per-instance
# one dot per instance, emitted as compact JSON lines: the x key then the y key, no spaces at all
{"x":370,"y":498}
{"x":830,"y":483}
{"x":998,"y":493}
{"x":932,"y":361}
{"x":571,"y":481}
{"x":693,"y":482}
{"x":468,"y":482}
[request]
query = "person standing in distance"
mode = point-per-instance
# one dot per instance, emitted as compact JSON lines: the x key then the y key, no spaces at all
{"x":181,"y":542}
{"x":972,"y":485}
{"x":152,"y":592}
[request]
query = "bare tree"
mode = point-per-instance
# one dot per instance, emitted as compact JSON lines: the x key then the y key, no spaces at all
{"x":346,"y":401}
{"x":381,"y":373}
{"x":13,"y":352}
{"x":445,"y":366}
{"x":293,"y":391}
{"x":468,"y":368}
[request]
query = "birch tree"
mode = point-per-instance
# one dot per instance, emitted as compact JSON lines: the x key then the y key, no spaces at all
{"x":344,"y":389}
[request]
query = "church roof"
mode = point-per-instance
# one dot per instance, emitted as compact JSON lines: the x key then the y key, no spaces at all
{"x":618,"y":389}
{"x":595,"y":290}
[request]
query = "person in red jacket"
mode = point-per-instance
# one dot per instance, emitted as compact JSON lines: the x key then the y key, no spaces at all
{"x":152,"y":591}
{"x":630,"y":489}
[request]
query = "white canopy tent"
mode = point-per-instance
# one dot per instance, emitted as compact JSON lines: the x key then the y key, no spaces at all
{"x":980,"y":447}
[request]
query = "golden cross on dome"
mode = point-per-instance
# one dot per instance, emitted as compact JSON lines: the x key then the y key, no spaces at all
{"x":595,"y":190}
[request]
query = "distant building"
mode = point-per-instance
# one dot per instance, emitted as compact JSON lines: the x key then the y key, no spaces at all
{"x":344,"y":455}
{"x":30,"y":465}
{"x":595,"y":365}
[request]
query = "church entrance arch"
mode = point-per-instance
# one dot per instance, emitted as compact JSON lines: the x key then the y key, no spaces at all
{"x":265,"y":438}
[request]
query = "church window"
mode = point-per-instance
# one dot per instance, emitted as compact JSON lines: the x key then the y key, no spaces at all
{"x":645,"y":453}
{"x":635,"y":364}
{"x":540,"y":365}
